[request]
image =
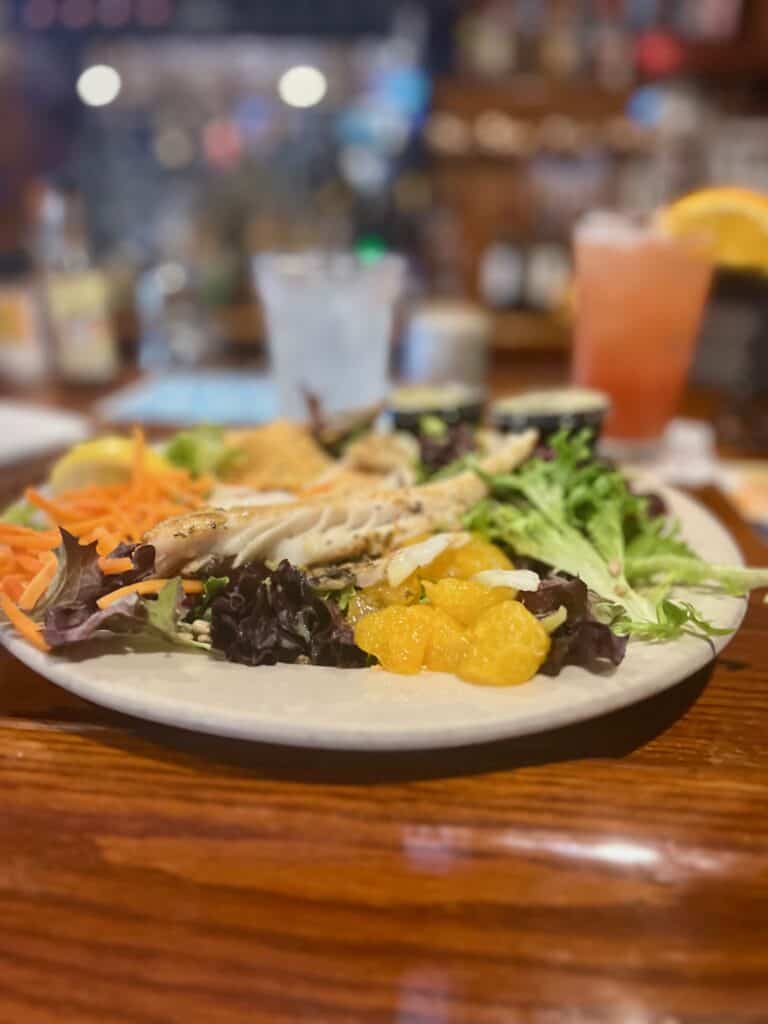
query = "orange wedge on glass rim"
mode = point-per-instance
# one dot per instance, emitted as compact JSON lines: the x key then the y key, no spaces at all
{"x":730,"y":223}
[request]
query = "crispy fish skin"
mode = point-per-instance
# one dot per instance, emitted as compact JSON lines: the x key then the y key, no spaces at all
{"x":325,"y":529}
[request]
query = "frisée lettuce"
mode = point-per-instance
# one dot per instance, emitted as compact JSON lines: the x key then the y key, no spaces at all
{"x":577,"y":513}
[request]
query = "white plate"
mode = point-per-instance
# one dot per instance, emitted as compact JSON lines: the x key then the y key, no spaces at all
{"x":28,"y":430}
{"x":369,"y":709}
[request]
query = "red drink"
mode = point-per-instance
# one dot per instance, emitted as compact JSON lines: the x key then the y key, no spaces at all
{"x":639,"y":302}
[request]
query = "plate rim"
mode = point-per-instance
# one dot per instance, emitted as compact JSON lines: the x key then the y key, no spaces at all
{"x":168,"y":711}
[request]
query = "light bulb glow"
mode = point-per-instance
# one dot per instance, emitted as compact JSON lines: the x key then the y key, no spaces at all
{"x":302,"y":86}
{"x":99,"y":85}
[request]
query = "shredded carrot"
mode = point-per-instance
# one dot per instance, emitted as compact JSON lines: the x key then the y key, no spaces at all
{"x":81,"y":527}
{"x":124,"y":511}
{"x":9,"y":530}
{"x":34,"y":541}
{"x":37,"y":586}
{"x":56,"y":512}
{"x":13,"y":586}
{"x":106,"y":542}
{"x":30,"y":563}
{"x":23,"y":554}
{"x":147,"y":587}
{"x":114,"y":566}
{"x":105,"y":514}
{"x":28,"y":629}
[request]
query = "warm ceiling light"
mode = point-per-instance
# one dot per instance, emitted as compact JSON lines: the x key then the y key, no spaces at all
{"x":99,"y":85}
{"x":302,"y":86}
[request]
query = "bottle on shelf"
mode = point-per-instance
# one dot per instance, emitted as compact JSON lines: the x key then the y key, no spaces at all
{"x":612,"y":54}
{"x":488,"y":41}
{"x":175,"y":302}
{"x":75,"y":294}
{"x":24,"y":353}
{"x":502,"y":273}
{"x":548,"y":271}
{"x":560,"y":47}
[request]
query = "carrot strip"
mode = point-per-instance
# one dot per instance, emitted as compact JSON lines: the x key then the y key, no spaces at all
{"x":32,"y":540}
{"x":12,"y":586}
{"x":58,"y":513}
{"x":83,"y":526}
{"x":139,"y":452}
{"x":28,"y":563}
{"x":40,"y":542}
{"x":147,"y":587}
{"x":28,"y":629}
{"x":35,"y":589}
{"x":105,"y":514}
{"x":106,"y":545}
{"x":10,"y":532}
{"x":114,"y":566}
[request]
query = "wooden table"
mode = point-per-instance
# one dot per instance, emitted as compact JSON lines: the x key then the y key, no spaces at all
{"x":615,"y":871}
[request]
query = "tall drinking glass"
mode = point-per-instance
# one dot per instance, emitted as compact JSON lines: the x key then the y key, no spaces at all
{"x":329,"y":321}
{"x":639,"y":301}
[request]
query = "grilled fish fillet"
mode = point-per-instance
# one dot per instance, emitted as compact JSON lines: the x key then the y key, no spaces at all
{"x":323,"y":530}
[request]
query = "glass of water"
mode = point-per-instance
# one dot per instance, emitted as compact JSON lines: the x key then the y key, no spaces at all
{"x":329,"y":319}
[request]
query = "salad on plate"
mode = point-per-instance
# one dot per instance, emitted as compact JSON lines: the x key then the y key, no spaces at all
{"x":449,"y":548}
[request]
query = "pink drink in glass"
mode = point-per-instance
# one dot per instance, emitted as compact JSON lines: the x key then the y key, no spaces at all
{"x":639,"y":302}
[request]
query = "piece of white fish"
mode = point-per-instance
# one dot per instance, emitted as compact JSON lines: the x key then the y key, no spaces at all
{"x":323,"y":530}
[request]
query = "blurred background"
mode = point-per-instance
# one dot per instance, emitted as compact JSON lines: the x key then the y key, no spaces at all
{"x":180,"y":136}
{"x":150,"y":148}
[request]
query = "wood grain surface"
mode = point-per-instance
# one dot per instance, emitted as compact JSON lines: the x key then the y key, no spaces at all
{"x":615,"y":871}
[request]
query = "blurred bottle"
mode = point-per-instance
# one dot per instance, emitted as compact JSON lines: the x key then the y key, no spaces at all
{"x":530,"y":16}
{"x":612,"y":47}
{"x":737,"y":311}
{"x":714,"y":20}
{"x":75,"y":294}
{"x":175,"y":297}
{"x":24,"y":356}
{"x":548,"y":272}
{"x":502,"y":273}
{"x":488,"y":41}
{"x":560,"y":47}
{"x":23,"y":352}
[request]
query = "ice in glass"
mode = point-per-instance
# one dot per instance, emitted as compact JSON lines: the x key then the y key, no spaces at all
{"x":329,"y":321}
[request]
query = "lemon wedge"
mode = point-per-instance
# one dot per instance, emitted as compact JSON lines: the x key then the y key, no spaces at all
{"x":107,"y":460}
{"x":730,"y":222}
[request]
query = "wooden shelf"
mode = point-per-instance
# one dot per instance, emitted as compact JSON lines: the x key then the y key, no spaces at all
{"x":526,"y":97}
{"x":529,"y":332}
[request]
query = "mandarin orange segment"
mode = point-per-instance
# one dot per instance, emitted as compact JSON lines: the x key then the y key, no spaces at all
{"x":463,"y":562}
{"x":464,"y":600}
{"x":448,"y":645}
{"x":397,"y":636}
{"x":507,"y":647}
